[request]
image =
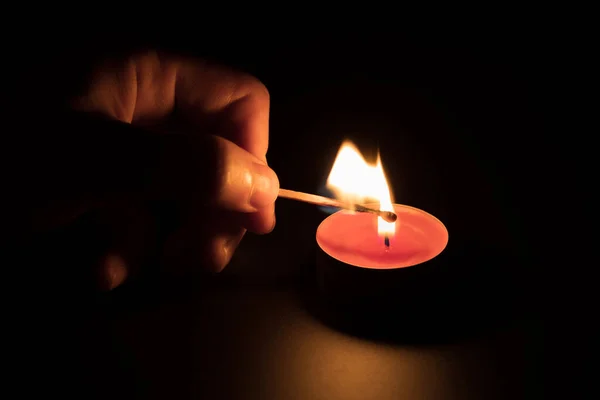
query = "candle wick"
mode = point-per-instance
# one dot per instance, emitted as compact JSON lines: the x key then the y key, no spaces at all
{"x":386,"y":241}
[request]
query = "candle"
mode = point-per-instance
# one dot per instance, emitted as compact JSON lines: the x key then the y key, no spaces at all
{"x":353,"y":239}
{"x":369,"y":241}
{"x":363,"y":258}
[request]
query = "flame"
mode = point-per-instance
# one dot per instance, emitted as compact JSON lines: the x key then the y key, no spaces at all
{"x":354,"y":181}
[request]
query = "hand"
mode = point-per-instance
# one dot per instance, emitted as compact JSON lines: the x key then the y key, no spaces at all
{"x":212,"y":129}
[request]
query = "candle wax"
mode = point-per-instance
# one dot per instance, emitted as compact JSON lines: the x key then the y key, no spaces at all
{"x":352,"y":238}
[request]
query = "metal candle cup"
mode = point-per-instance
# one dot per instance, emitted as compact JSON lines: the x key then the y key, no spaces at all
{"x":353,"y":261}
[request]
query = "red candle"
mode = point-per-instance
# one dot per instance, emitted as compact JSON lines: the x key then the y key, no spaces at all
{"x":353,"y":239}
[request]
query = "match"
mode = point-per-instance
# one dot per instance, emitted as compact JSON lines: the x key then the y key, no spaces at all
{"x":388,"y":216}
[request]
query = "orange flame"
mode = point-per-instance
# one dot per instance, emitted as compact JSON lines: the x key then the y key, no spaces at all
{"x":354,"y":181}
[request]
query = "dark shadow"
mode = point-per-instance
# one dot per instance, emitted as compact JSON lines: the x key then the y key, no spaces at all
{"x":135,"y":342}
{"x":459,"y":296}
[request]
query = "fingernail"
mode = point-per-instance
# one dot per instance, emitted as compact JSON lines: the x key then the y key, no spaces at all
{"x":265,"y":186}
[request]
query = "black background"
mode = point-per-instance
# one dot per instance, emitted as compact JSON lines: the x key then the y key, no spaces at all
{"x":462,"y":122}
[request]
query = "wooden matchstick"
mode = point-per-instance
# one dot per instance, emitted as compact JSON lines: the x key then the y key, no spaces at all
{"x":388,"y":216}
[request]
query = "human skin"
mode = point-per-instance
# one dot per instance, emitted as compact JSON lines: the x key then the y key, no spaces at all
{"x":210,"y":125}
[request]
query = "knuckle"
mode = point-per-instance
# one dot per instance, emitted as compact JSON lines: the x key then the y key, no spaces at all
{"x":262,"y":95}
{"x":261,"y":91}
{"x":251,"y":86}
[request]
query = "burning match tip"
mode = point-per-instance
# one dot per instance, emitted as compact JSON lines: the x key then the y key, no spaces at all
{"x":389,"y":216}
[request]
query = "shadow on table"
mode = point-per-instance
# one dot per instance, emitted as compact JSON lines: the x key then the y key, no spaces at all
{"x":461,"y":295}
{"x":468,"y":290}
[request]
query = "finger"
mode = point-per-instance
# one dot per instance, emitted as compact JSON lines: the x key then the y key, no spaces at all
{"x":208,"y":242}
{"x":89,"y":253}
{"x":246,"y":183}
{"x":262,"y":221}
{"x":214,"y":172}
{"x":234,"y":103}
{"x":114,"y":271}
{"x":236,"y":106}
{"x":132,"y":232}
{"x":149,"y":87}
{"x":220,"y":250}
{"x":189,"y":251}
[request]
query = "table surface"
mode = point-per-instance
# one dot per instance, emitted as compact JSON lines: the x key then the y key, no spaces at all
{"x":262,"y":342}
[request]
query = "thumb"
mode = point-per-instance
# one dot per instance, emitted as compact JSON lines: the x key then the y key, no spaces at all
{"x":243,"y":181}
{"x":215,"y":172}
